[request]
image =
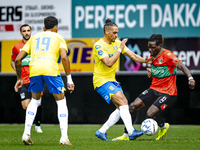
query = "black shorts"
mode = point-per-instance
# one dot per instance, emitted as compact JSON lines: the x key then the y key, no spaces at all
{"x":158,"y":99}
{"x":23,"y":91}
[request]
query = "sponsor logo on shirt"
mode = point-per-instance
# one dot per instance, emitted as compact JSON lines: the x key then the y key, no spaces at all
{"x":98,"y":46}
{"x":100,"y":52}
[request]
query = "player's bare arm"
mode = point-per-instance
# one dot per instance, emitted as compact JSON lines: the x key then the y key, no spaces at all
{"x":185,"y":70}
{"x":19,"y":82}
{"x":13,"y":65}
{"x":149,"y":72}
{"x":66,"y":65}
{"x":109,"y":61}
{"x":138,"y":58}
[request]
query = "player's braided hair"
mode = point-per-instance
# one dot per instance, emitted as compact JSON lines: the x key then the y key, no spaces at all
{"x":108,"y":24}
{"x":158,"y":38}
{"x":24,"y":25}
{"x":50,"y":22}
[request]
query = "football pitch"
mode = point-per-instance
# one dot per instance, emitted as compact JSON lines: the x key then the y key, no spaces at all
{"x":82,"y":137}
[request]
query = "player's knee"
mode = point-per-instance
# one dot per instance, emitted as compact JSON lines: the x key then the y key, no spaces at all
{"x":150,"y":114}
{"x":24,"y":107}
{"x":132,"y":107}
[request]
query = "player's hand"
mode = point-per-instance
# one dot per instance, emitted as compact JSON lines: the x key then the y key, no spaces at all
{"x":70,"y":87}
{"x":18,"y":84}
{"x":191,"y":84}
{"x":149,"y":72}
{"x":149,"y":60}
{"x":123,"y":43}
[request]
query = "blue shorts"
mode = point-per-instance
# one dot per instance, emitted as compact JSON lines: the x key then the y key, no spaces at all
{"x":108,"y":89}
{"x":54,"y":84}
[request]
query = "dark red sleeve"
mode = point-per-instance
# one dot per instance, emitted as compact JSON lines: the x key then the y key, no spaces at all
{"x":14,"y":53}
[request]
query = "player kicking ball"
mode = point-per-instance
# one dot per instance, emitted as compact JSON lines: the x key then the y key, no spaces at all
{"x":162,"y":92}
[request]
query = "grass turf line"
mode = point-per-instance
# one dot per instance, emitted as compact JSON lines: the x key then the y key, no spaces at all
{"x":82,"y":137}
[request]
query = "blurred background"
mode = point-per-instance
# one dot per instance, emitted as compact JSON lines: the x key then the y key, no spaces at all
{"x":81,"y":24}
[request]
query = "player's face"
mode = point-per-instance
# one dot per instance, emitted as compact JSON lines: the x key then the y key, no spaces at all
{"x":26,"y":33}
{"x":153,"y":48}
{"x":113,"y":33}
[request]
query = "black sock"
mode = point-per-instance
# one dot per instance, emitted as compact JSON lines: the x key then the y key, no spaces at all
{"x":38,"y":116}
{"x":159,"y":120}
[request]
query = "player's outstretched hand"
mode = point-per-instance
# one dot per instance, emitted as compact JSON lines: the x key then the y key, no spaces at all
{"x":123,"y":43}
{"x":149,"y":60}
{"x":191,"y":84}
{"x":70,"y":87}
{"x":149,"y":72}
{"x":18,"y":84}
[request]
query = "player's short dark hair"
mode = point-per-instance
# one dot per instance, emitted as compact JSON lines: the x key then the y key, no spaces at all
{"x":109,"y":23}
{"x":24,"y":25}
{"x":50,"y":22}
{"x":157,"y":37}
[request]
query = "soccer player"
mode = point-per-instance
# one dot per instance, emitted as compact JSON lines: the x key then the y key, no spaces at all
{"x":25,"y":31}
{"x":163,"y":91}
{"x":45,"y":49}
{"x":106,"y":53}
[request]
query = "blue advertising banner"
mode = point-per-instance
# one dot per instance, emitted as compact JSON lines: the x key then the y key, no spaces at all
{"x":138,"y":18}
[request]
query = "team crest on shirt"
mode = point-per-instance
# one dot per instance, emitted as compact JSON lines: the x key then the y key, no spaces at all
{"x":160,"y":61}
{"x":100,"y":52}
{"x":168,"y":54}
{"x":115,"y":48}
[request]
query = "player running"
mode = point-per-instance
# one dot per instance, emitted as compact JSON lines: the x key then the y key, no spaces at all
{"x":45,"y":49}
{"x":163,"y":91}
{"x":25,"y":31}
{"x":106,"y":53}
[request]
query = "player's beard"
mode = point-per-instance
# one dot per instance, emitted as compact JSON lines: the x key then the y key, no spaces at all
{"x":26,"y":37}
{"x":113,"y":40}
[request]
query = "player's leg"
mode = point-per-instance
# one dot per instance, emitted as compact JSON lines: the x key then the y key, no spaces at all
{"x":121,"y":102}
{"x":62,"y":117}
{"x":160,"y":104}
{"x":38,"y":119}
{"x":25,"y":103}
{"x":105,"y":91}
{"x":30,"y":116}
{"x":142,"y":101}
{"x":135,"y":106}
{"x":25,"y":100}
{"x":56,"y":87}
{"x":36,"y":86}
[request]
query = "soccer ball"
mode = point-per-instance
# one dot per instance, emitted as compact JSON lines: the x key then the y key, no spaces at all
{"x":149,"y":126}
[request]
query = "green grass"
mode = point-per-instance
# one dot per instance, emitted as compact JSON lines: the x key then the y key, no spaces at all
{"x":82,"y":137}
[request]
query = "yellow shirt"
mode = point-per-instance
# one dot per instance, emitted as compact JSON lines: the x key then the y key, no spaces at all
{"x":103,"y":73}
{"x":44,"y":48}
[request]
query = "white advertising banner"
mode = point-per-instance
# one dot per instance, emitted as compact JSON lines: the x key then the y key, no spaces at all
{"x":13,"y":14}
